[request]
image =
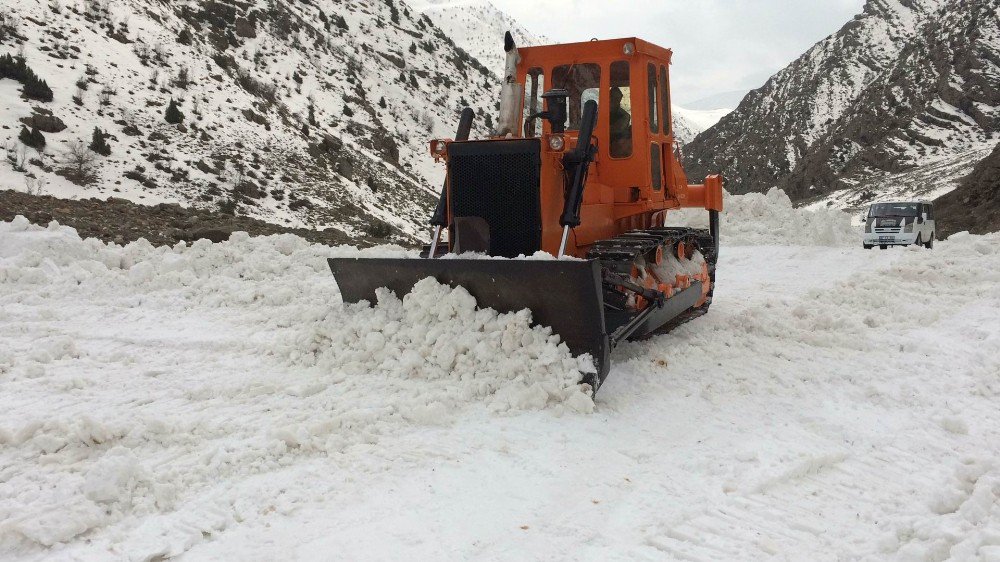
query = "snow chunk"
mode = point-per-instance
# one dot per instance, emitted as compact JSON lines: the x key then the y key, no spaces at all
{"x":113,"y":477}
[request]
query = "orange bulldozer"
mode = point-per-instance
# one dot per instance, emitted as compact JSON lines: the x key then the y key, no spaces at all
{"x":582,"y":166}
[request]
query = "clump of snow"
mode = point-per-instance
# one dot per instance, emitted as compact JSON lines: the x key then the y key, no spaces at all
{"x":113,"y":477}
{"x":756,"y":219}
{"x":964,"y":523}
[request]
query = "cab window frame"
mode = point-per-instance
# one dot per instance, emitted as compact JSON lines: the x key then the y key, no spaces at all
{"x":534,"y":83}
{"x":668,"y":114}
{"x":617,"y":69}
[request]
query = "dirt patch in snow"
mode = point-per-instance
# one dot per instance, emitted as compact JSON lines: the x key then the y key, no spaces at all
{"x":121,"y":221}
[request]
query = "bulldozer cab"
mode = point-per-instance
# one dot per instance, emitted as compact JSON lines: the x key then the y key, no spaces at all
{"x":629,"y":80}
{"x":513,"y":193}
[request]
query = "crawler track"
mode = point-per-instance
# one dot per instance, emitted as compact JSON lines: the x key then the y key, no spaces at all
{"x":620,"y":254}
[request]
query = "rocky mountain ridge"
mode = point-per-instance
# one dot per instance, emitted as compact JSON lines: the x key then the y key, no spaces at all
{"x":903,"y":101}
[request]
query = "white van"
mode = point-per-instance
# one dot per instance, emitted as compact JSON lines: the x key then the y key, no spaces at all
{"x":899,"y":223}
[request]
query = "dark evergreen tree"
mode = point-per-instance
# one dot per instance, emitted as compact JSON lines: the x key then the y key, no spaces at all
{"x":173,"y":114}
{"x":32,"y":138}
{"x":99,"y":142}
{"x":381,"y":102}
{"x":16,"y":69}
{"x":36,"y":88}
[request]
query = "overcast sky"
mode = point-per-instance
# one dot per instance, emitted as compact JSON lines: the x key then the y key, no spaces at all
{"x":719,"y":45}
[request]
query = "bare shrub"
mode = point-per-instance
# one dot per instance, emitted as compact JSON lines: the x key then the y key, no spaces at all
{"x":263,"y":90}
{"x":79,"y":164}
{"x":35,"y":186}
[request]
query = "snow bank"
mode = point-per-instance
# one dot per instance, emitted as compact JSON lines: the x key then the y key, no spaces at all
{"x":757,"y":219}
{"x":135,"y":381}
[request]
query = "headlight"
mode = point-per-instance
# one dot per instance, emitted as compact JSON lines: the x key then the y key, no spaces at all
{"x":908,"y":227}
{"x":557,"y":142}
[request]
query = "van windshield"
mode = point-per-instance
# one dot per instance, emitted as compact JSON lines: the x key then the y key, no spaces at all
{"x":895,"y":210}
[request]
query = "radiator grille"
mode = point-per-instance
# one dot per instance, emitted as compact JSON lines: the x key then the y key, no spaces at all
{"x":498,"y":181}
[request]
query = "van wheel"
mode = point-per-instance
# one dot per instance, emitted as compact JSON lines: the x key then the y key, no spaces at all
{"x":930,"y":242}
{"x":918,"y":241}
{"x":882,"y":246}
{"x":868,"y":246}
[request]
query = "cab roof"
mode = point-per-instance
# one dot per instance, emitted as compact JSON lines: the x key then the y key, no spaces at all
{"x":593,"y":49}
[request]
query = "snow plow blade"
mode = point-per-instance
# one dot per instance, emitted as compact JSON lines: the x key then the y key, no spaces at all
{"x":565,"y":294}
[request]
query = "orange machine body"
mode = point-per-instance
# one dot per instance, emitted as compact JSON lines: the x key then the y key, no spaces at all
{"x":628,"y":187}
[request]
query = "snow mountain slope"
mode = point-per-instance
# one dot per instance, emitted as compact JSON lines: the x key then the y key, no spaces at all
{"x":217,"y":401}
{"x":478,"y":27}
{"x":902,"y":101}
{"x":689,"y":123}
{"x":312,"y":113}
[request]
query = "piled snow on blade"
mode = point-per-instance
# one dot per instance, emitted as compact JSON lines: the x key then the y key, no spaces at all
{"x":148,"y":395}
{"x":757,"y":219}
{"x":434,"y":349}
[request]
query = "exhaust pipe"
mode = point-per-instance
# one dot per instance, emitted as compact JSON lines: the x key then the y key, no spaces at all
{"x":440,"y":217}
{"x":511,"y":93}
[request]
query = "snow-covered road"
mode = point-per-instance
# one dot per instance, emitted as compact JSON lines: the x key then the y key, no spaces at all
{"x":217,"y":402}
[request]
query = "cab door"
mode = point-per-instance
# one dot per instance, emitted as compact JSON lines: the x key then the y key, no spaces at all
{"x":658,"y":130}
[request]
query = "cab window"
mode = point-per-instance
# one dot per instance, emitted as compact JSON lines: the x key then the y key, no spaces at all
{"x":533,"y":102}
{"x":654,"y":99}
{"x":655,"y":166}
{"x":665,"y":96}
{"x":620,"y":102}
{"x":583,"y":81}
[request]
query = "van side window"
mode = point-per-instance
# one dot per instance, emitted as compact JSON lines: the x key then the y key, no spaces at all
{"x":620,"y":103}
{"x":654,"y":98}
{"x":533,"y":102}
{"x":655,"y":167}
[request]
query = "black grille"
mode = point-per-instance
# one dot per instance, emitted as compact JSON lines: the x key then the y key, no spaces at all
{"x":498,"y":181}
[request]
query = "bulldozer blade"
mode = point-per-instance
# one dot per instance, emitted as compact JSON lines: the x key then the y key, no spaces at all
{"x":563,"y":294}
